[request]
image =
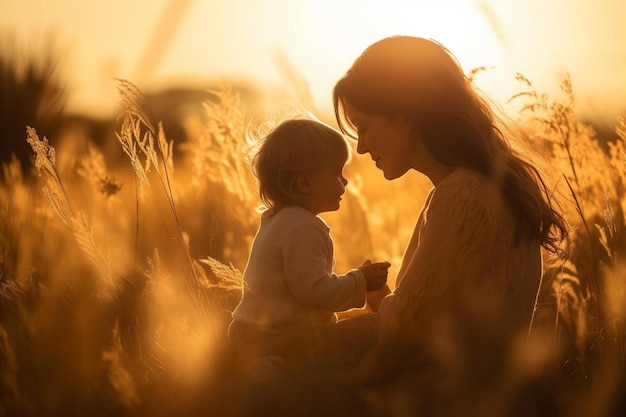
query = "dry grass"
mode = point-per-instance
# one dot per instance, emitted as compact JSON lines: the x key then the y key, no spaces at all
{"x":580,"y":285}
{"x":121,"y":284}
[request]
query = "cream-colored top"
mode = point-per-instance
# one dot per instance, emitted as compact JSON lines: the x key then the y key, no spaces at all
{"x":289,"y":278}
{"x":463,"y":289}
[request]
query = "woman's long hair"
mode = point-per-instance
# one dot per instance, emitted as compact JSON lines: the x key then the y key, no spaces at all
{"x":420,"y":81}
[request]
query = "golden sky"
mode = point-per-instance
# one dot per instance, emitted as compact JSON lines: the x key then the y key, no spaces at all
{"x":167,"y":42}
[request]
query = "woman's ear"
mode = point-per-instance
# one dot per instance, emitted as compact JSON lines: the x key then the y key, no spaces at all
{"x":303,"y":183}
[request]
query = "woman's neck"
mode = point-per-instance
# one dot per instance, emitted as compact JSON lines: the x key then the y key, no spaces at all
{"x":438,"y":172}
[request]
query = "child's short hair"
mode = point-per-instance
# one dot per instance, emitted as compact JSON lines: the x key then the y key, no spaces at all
{"x":294,"y":146}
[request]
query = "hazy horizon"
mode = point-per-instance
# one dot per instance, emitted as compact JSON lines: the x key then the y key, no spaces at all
{"x":188,"y":43}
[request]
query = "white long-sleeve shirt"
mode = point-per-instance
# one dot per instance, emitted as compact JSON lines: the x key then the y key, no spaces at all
{"x":289,"y":277}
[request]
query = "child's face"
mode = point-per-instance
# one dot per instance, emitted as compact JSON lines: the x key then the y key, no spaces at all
{"x":327,"y":185}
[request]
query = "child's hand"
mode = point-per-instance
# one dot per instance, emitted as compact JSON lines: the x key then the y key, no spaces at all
{"x":375,"y":274}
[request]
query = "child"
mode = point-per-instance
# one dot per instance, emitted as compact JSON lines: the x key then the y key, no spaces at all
{"x":289,"y":280}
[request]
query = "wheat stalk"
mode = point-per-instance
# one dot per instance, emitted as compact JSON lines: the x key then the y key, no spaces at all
{"x":145,"y":144}
{"x":76,"y":220}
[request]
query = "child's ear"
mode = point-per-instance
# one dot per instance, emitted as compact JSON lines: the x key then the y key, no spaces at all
{"x":303,"y":182}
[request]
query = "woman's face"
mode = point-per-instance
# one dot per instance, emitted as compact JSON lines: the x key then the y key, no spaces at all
{"x":392,"y":143}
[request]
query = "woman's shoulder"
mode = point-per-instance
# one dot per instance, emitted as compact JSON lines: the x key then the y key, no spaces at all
{"x":467,"y":187}
{"x":463,"y":178}
{"x":468,"y":182}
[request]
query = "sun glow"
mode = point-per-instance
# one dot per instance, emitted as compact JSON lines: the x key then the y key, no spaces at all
{"x":120,"y":266}
{"x":166,"y":43}
{"x":320,"y":39}
{"x":332,"y":34}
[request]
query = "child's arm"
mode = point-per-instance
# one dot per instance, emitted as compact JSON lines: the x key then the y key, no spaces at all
{"x":307,"y":257}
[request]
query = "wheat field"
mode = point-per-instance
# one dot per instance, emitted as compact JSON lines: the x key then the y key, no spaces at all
{"x":118,"y":270}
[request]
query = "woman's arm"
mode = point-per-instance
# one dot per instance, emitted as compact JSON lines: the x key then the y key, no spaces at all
{"x":342,"y":346}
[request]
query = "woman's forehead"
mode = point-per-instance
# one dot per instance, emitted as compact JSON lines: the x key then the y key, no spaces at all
{"x":354,"y":113}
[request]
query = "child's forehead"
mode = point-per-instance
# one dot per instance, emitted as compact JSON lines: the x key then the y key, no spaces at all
{"x":335,"y":160}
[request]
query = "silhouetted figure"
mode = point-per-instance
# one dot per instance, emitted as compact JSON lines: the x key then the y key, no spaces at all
{"x":289,"y":280}
{"x":441,"y":342}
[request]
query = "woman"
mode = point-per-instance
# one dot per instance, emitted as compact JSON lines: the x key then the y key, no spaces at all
{"x":444,"y":340}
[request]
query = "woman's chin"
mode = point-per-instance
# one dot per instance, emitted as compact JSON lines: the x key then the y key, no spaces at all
{"x":390,"y":175}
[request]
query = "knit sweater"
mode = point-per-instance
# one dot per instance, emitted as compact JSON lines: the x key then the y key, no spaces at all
{"x":289,"y":278}
{"x":465,"y":289}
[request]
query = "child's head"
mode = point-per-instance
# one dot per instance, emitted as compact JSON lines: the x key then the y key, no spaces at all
{"x":293,"y":148}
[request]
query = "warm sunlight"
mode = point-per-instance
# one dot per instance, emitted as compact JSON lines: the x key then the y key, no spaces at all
{"x":158,"y":261}
{"x":325,"y":35}
{"x":190,"y":42}
{"x":319,"y":38}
